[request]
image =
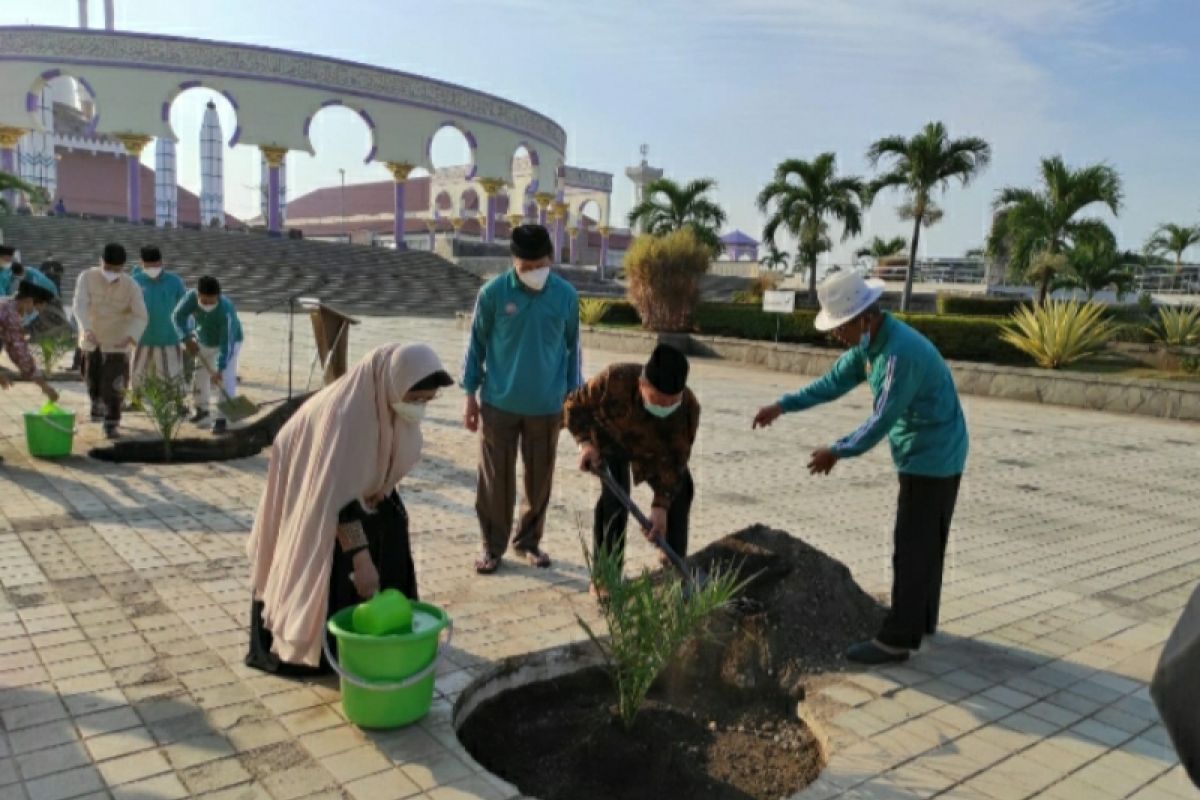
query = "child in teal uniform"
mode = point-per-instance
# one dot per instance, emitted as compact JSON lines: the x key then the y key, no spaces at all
{"x":217,"y":340}
{"x":158,"y":351}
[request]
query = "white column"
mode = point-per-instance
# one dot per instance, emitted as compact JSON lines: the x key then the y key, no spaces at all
{"x":83,"y":20}
{"x":110,"y":16}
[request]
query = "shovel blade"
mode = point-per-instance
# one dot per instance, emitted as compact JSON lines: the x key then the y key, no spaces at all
{"x":236,"y":409}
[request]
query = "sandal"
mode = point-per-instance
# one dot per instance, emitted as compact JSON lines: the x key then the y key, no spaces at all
{"x":486,"y":564}
{"x":536,"y":558}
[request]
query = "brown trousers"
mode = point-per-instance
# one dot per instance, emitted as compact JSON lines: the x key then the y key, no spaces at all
{"x":504,"y":434}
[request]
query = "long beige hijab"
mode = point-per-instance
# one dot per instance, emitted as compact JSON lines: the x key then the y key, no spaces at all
{"x":343,"y":444}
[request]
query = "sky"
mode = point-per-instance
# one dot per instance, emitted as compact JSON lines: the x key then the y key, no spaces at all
{"x":727,"y":89}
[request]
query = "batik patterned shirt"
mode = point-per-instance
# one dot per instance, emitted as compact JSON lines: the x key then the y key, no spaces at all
{"x":608,"y":412}
{"x":14,"y":338}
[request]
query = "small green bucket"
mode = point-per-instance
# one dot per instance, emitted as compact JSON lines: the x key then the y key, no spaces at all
{"x":387,"y":681}
{"x":50,"y":431}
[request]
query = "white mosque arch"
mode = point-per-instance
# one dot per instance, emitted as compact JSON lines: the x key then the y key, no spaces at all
{"x":452,"y":136}
{"x":190,"y":86}
{"x":59,"y":80}
{"x":363,"y":114}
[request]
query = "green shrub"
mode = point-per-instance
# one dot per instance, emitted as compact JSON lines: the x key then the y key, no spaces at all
{"x":1176,"y":327}
{"x":969,"y":306}
{"x":1059,"y":332}
{"x":619,"y":312}
{"x":966,"y":338}
{"x":664,"y":278}
{"x":742,"y":321}
{"x":52,"y":348}
{"x":593,"y":310}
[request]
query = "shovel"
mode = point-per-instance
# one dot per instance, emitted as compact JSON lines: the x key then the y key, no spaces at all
{"x":692,"y":581}
{"x":235,"y":409}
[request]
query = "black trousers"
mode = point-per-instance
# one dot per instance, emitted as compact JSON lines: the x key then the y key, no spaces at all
{"x":106,"y":375}
{"x":611,"y":518}
{"x":923,"y":514}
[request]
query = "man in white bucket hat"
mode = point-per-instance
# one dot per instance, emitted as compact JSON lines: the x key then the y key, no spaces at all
{"x":916,"y":406}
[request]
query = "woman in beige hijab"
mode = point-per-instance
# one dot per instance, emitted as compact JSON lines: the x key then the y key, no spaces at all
{"x":330,"y":529}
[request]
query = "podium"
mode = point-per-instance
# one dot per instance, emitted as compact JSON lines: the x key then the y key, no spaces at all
{"x":331,"y":328}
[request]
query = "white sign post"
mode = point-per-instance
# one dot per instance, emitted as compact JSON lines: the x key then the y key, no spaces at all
{"x":779,"y":303}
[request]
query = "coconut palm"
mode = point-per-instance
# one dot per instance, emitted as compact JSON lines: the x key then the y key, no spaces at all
{"x":1174,"y":239}
{"x":1036,"y":228}
{"x":1093,"y":264}
{"x":918,"y":166}
{"x":668,"y":207}
{"x":802,"y":198}
{"x":882,"y":248}
{"x":775,"y":259}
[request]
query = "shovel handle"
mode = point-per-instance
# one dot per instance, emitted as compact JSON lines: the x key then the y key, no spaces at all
{"x":610,"y":483}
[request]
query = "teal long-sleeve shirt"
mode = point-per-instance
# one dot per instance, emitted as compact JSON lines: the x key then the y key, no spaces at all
{"x":524,"y":347}
{"x":219,"y":328}
{"x":916,"y":405}
{"x":162,"y":294}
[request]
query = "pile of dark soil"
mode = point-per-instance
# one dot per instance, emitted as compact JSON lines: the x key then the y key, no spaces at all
{"x":721,"y":723}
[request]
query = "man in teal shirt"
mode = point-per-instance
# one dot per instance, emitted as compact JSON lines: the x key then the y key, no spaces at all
{"x":216,"y":342}
{"x":523,"y":358}
{"x":158,"y":351}
{"x":916,"y":406}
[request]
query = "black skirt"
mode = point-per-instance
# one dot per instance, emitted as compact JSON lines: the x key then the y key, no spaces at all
{"x":387,"y":542}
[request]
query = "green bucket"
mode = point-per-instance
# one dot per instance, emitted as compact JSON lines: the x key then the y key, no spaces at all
{"x":387,"y":681}
{"x":50,"y":431}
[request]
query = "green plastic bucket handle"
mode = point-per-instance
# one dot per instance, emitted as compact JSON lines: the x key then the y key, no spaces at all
{"x":411,"y":680}
{"x":56,"y":426}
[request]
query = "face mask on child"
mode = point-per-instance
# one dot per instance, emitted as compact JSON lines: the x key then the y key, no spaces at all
{"x":208,"y":308}
{"x":410,"y":412}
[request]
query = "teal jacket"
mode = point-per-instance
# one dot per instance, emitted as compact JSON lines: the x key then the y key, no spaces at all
{"x":916,"y":405}
{"x":33,"y":275}
{"x":219,"y":328}
{"x":524,"y":346}
{"x":162,"y":296}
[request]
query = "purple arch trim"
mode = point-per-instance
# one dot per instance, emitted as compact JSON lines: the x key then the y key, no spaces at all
{"x":91,"y":128}
{"x":366,"y":118}
{"x":307,"y":124}
{"x":371,"y":155}
{"x":32,"y":102}
{"x":51,"y":74}
{"x":232,"y":100}
{"x":329,"y":103}
{"x":361,"y":113}
{"x":472,"y":171}
{"x":88,"y":86}
{"x":237,"y":135}
{"x":166,"y":111}
{"x":471,"y":140}
{"x":183,"y":87}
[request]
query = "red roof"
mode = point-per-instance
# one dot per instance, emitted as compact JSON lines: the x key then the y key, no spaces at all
{"x":360,"y":199}
{"x":95,"y":184}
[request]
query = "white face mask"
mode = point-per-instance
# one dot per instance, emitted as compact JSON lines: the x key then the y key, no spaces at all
{"x":409,"y":412}
{"x":662,"y":412}
{"x":111,"y":277}
{"x":208,"y":309}
{"x":535,"y":278}
{"x":153,"y":272}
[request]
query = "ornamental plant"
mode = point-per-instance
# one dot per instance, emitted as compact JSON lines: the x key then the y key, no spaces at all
{"x":163,"y":398}
{"x":1058,"y":332}
{"x":648,"y":620}
{"x":664,"y":278}
{"x":592,"y":310}
{"x":52,"y":349}
{"x":1176,"y":327}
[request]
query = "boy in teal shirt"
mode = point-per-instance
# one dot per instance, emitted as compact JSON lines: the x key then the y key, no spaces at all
{"x":916,"y":407}
{"x":158,"y":351}
{"x":216,"y":342}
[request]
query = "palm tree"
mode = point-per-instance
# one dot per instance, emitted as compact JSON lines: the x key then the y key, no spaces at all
{"x":667,"y":207}
{"x":1175,"y":239}
{"x":927,"y":161}
{"x":802,"y":198}
{"x":774,"y":259}
{"x":1093,"y":264}
{"x":1036,"y":228}
{"x":11,"y":183}
{"x":882,"y":248}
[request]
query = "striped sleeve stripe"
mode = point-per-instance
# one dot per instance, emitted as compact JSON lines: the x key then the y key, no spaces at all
{"x":880,"y":405}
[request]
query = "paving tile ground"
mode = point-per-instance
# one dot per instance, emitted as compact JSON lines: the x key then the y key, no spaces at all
{"x":124,"y":606}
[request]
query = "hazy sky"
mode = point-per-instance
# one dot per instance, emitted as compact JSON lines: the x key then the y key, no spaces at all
{"x":728,"y":88}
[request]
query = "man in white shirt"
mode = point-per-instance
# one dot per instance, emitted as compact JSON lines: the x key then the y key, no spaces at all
{"x":111,"y":315}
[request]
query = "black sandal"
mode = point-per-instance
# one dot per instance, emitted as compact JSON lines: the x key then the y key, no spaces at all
{"x":486,"y":564}
{"x":536,"y":558}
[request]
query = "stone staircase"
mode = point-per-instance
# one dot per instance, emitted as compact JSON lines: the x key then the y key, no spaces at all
{"x":258,"y":272}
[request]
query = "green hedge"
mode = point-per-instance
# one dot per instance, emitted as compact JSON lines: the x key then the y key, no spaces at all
{"x":963,"y":305}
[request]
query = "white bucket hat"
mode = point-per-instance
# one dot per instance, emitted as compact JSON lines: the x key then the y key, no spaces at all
{"x":843,"y":297}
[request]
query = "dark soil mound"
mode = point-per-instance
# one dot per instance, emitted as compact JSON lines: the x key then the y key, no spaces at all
{"x":559,"y":740}
{"x":808,"y":610}
{"x":722,"y":722}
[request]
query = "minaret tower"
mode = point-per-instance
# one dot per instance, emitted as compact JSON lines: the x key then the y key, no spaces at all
{"x":212,"y":168}
{"x":641,"y":175}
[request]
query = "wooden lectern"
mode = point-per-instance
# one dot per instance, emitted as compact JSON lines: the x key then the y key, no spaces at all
{"x":332,"y":330}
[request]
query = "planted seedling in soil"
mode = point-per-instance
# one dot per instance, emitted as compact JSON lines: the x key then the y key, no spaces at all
{"x":164,"y":400}
{"x":52,"y":349}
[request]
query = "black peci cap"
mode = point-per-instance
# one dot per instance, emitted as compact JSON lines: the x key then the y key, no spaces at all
{"x":531,"y":242}
{"x":113,"y":254}
{"x":151,"y":254}
{"x":667,"y":369}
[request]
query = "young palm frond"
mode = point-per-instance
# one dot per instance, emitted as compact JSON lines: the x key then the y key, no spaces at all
{"x":592,"y":310}
{"x":164,"y":399}
{"x":648,"y":620}
{"x":1059,"y":332}
{"x":1176,"y":326}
